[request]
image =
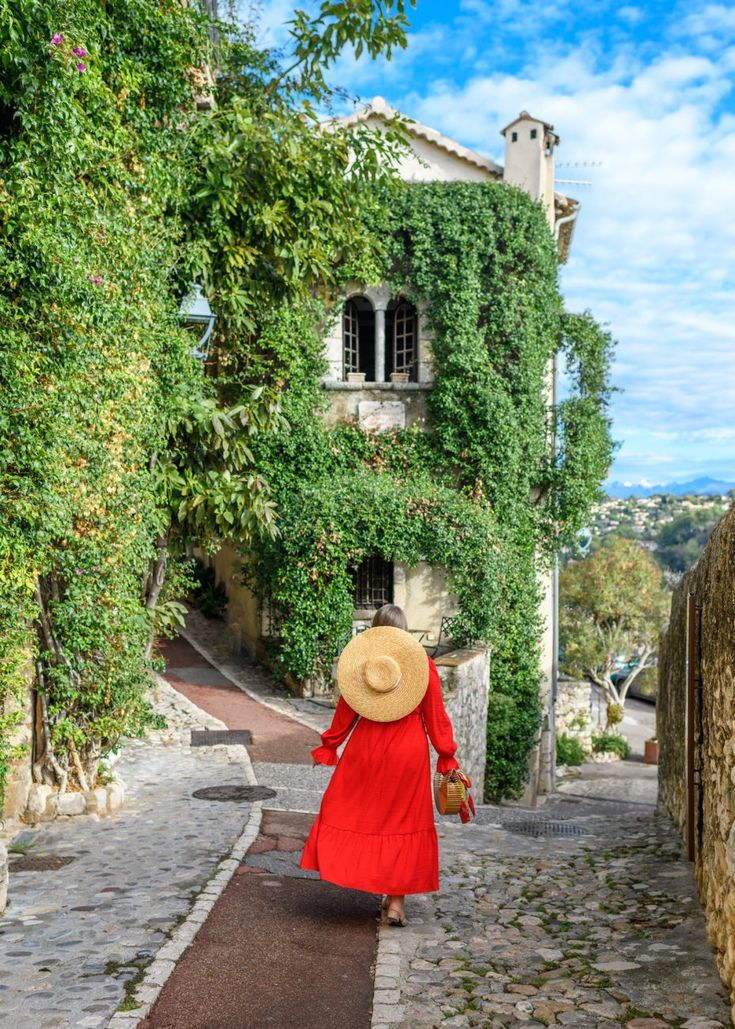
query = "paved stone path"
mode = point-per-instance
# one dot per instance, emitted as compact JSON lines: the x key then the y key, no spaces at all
{"x":597,"y":929}
{"x":596,"y":923}
{"x":279,"y":947}
{"x":72,"y":938}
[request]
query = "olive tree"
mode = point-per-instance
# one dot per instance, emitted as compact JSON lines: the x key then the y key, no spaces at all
{"x":612,"y":603}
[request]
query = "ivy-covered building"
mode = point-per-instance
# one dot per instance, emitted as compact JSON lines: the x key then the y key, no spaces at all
{"x":441,"y":405}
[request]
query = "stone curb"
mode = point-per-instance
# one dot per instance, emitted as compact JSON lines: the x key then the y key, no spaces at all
{"x":164,"y":962}
{"x":387,"y":1009}
{"x":232,"y":673}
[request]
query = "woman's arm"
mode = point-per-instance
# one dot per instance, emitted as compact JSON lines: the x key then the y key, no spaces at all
{"x":342,"y":722}
{"x":437,"y":722}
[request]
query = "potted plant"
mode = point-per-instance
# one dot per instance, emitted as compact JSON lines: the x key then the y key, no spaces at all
{"x":650,"y":752}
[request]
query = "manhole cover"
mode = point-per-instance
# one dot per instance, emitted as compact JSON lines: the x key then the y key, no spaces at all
{"x":541,"y":828}
{"x":218,"y":737}
{"x":38,"y":862}
{"x":236,"y":793}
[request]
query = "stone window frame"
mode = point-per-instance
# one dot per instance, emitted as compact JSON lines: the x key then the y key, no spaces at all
{"x":380,"y":297}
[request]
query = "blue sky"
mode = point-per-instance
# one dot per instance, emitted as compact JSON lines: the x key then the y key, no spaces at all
{"x":644,"y":95}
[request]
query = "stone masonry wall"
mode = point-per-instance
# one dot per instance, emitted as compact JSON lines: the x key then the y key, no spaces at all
{"x":712,"y":580}
{"x":572,"y":710}
{"x":464,"y":675}
{"x":3,"y":877}
{"x":19,"y":781}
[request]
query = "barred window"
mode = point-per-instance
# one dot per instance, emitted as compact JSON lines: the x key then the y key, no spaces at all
{"x":373,"y":583}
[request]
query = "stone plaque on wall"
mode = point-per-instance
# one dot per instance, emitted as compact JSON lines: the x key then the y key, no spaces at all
{"x":379,"y":415}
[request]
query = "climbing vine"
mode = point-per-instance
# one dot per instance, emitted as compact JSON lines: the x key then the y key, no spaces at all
{"x":118,"y":185}
{"x":114,"y":191}
{"x":482,"y":494}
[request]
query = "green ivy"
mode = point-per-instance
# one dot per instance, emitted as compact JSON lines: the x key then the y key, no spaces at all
{"x":481,"y":494}
{"x":94,"y":103}
{"x":118,"y":453}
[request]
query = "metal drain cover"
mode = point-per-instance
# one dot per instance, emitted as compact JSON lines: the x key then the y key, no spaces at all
{"x":537,"y":827}
{"x":245,"y":794}
{"x":218,"y":737}
{"x":38,"y":862}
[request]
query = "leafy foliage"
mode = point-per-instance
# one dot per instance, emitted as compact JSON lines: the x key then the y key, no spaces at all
{"x":682,"y":540}
{"x":92,"y":107}
{"x":611,"y":743}
{"x":118,"y":453}
{"x":481,"y":494}
{"x":569,"y":750}
{"x":612,"y":603}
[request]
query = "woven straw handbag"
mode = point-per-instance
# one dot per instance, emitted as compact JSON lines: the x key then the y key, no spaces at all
{"x":449,"y":792}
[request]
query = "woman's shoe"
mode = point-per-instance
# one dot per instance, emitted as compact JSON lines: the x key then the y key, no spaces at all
{"x":395,"y":918}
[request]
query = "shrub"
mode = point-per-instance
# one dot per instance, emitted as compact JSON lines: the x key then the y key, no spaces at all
{"x":615,"y":714}
{"x":610,"y":743}
{"x":569,"y":750}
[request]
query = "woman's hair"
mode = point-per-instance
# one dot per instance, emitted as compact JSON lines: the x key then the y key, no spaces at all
{"x":392,"y":615}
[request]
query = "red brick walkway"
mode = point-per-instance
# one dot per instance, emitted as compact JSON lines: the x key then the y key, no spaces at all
{"x":275,"y":951}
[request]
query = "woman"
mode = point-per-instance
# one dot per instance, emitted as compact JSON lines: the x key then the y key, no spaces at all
{"x":375,"y":828}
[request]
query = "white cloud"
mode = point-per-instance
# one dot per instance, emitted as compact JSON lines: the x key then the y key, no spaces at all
{"x":709,"y":25}
{"x":654,"y":251}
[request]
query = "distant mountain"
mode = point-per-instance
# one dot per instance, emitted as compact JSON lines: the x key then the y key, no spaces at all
{"x":704,"y":486}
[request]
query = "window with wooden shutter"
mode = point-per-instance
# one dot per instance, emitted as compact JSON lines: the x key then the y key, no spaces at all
{"x":404,"y":338}
{"x":351,"y":337}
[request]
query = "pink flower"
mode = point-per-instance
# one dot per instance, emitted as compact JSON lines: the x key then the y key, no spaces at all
{"x":96,"y":279}
{"x":80,"y":67}
{"x":79,"y":51}
{"x":57,"y":39}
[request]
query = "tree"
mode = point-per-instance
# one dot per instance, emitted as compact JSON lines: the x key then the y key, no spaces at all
{"x":612,"y":604}
{"x":682,"y":540}
{"x":117,"y":450}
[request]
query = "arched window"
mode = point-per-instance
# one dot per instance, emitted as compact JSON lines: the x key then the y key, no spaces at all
{"x":401,"y":331}
{"x":358,"y":337}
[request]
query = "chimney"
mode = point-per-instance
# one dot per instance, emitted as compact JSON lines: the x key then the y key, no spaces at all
{"x":529,"y":159}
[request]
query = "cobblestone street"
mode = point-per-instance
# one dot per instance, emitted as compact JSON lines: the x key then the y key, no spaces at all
{"x":581,"y":912}
{"x":73,"y":936}
{"x":595,"y":928}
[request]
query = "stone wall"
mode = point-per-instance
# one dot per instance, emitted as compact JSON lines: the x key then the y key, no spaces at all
{"x":19,"y":781}
{"x":345,"y":399}
{"x":572,"y":710}
{"x":3,"y":877}
{"x":712,"y":580}
{"x":464,"y":675}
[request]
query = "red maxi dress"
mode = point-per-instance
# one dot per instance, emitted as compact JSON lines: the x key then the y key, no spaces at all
{"x":375,"y":828}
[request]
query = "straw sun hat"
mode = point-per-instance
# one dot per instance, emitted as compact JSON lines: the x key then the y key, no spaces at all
{"x":383,"y":673}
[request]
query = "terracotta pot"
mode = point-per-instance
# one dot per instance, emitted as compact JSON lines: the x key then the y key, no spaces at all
{"x":650,"y":754}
